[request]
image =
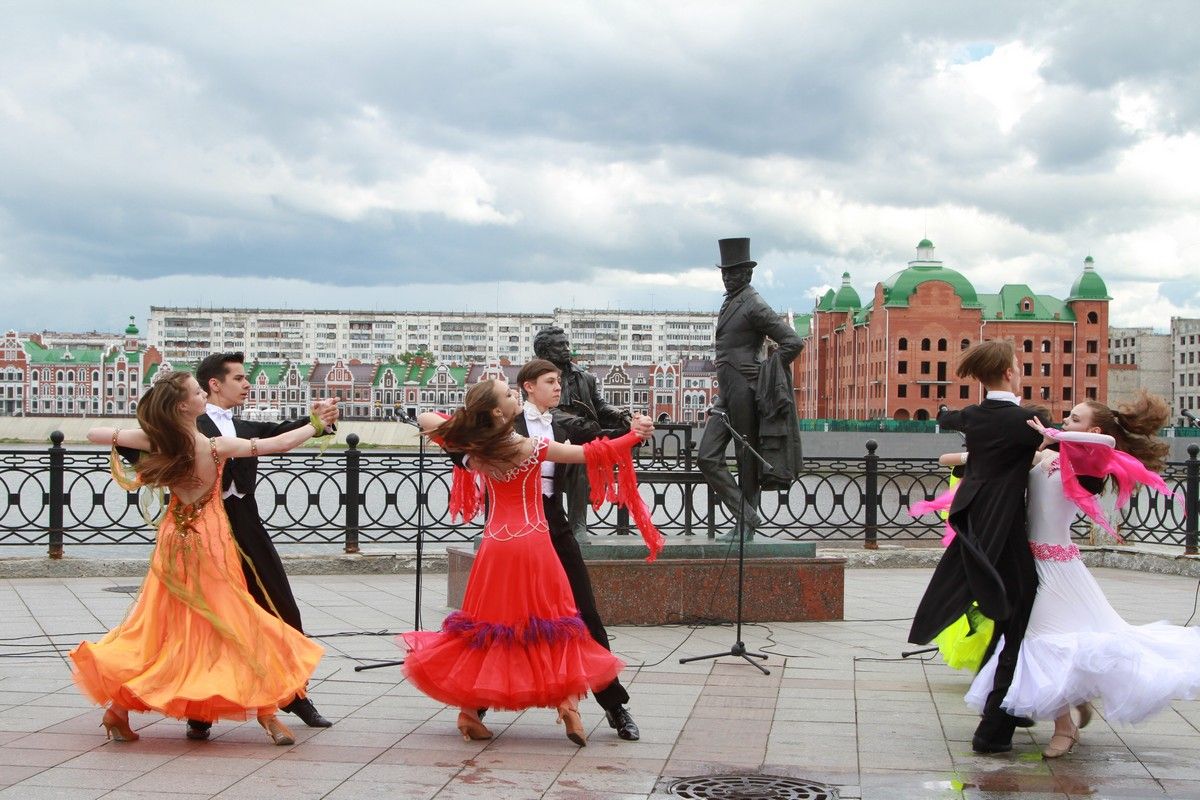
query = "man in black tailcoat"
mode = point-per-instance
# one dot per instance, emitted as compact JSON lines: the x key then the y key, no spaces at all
{"x":744,"y":323}
{"x":223,"y":376}
{"x":989,"y":561}
{"x":585,"y":415}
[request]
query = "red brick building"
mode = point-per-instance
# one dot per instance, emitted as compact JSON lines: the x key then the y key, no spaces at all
{"x":894,"y":357}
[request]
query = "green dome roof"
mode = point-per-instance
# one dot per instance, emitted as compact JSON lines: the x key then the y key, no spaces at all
{"x":899,"y":287}
{"x":131,"y":329}
{"x":1089,"y":285}
{"x":846,"y":298}
{"x":924,"y":243}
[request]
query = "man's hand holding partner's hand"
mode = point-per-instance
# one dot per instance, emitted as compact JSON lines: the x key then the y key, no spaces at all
{"x":642,"y":425}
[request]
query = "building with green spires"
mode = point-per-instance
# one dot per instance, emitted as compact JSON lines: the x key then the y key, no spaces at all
{"x":894,"y":356}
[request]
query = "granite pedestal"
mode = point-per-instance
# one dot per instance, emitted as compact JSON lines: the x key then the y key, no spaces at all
{"x":697,"y":582}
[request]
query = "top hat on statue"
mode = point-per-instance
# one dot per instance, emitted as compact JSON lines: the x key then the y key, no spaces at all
{"x":735,"y":253}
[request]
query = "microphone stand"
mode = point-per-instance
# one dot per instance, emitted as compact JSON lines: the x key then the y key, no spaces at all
{"x":739,"y":647}
{"x":422,"y":499}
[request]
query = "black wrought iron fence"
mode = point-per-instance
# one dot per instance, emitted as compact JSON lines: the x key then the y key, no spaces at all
{"x":64,"y":497}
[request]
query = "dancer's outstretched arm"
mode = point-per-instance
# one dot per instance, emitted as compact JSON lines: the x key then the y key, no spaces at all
{"x":235,"y":447}
{"x":561,"y":453}
{"x":124,"y":437}
{"x":953,"y":459}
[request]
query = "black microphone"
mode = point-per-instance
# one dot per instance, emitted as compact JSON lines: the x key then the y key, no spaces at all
{"x":1189,"y":415}
{"x":408,"y":419}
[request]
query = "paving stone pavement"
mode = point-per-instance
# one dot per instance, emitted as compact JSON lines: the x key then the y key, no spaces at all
{"x":839,"y":708}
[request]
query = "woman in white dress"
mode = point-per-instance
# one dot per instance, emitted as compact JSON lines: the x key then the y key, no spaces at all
{"x":1077,"y":648}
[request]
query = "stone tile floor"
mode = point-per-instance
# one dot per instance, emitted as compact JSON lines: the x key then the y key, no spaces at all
{"x":839,"y":707}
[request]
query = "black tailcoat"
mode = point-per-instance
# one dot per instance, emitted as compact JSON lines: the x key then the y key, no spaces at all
{"x":247,"y":526}
{"x":990,"y":549}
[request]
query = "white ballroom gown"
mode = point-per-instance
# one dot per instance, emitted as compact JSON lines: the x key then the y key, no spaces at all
{"x":1077,"y":648}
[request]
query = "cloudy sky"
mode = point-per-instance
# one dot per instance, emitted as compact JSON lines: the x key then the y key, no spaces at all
{"x":483,"y":156}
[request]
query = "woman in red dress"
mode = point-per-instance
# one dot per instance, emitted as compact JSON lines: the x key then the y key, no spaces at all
{"x":518,"y":641}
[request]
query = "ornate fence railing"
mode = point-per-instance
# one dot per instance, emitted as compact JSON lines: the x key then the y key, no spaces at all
{"x":62,"y":497}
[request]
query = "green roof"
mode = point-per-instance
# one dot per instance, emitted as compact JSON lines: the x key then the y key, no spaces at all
{"x":399,"y":373}
{"x":131,"y":329}
{"x":802,"y":324}
{"x":458,"y":373}
{"x":924,"y":243}
{"x":846,"y":298}
{"x":1008,"y":304}
{"x":826,"y":301}
{"x":1089,"y":285}
{"x":62,"y":355}
{"x":148,"y":377}
{"x":274,"y":372}
{"x":900,"y":286}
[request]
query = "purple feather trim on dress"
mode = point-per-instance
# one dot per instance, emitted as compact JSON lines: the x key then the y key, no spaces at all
{"x":535,"y":630}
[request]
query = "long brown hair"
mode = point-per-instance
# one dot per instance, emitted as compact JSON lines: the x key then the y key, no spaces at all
{"x":1134,"y":426}
{"x":172,"y":457}
{"x":475,"y":430}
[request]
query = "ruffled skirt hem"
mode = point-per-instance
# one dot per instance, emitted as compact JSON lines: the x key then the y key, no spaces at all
{"x":1134,"y":673}
{"x":460,"y":668}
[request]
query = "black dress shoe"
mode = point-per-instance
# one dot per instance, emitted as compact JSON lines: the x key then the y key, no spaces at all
{"x":197,"y":730}
{"x":622,"y":721}
{"x":985,"y":747}
{"x":303,"y":708}
{"x":1024,"y":722}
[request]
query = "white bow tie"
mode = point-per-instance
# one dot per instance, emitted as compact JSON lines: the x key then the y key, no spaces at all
{"x":221,"y":413}
{"x":531,"y":414}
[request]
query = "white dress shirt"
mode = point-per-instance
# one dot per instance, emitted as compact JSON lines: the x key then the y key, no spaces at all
{"x":540,"y":426}
{"x":1000,"y":394}
{"x":223,"y":419}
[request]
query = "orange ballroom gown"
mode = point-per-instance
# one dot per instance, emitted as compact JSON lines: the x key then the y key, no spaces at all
{"x":195,"y":644}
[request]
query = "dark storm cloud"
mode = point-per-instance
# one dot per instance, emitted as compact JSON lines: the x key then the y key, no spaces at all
{"x":382,"y":144}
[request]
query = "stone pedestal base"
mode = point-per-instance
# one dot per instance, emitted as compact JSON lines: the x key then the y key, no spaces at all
{"x":685,"y":587}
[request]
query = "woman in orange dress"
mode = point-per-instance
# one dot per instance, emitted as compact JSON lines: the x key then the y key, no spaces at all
{"x":195,"y":644}
{"x":518,"y":641}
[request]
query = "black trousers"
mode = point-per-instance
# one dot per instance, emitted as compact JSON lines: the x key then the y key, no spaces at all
{"x":1019,"y":574}
{"x":256,"y":544}
{"x":569,"y":554}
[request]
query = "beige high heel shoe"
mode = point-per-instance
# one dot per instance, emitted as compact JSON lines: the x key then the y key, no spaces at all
{"x":472,"y":727}
{"x":278,"y":732}
{"x":1085,"y":714}
{"x":116,"y":726}
{"x":1061,"y":744}
{"x":569,"y":717}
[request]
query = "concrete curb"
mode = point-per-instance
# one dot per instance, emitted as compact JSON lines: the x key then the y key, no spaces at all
{"x":887,"y":557}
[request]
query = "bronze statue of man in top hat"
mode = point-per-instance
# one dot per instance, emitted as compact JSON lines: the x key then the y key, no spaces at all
{"x":756,"y":395}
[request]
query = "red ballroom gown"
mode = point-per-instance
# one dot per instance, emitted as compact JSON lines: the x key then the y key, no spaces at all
{"x":518,"y":641}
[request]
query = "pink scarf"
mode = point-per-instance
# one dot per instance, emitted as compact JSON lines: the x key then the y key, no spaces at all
{"x":1091,"y":454}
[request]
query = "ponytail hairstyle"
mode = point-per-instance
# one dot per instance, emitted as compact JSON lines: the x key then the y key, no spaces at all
{"x":172,"y":457}
{"x":1135,"y":426}
{"x":475,"y":431}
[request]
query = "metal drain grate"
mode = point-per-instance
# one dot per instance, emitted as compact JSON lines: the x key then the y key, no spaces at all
{"x":125,"y":589}
{"x":750,"y":787}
